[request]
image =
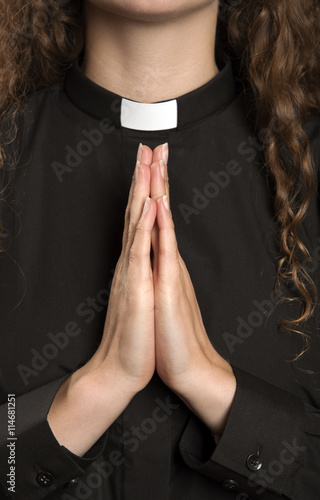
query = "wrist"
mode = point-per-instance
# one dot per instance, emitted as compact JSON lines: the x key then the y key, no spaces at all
{"x":209,"y":394}
{"x":91,"y":400}
{"x":102,"y":384}
{"x":107,"y":368}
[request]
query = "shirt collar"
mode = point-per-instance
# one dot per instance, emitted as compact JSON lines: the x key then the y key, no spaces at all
{"x":177,"y":113}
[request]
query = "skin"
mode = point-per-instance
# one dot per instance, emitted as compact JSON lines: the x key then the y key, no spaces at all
{"x":153,"y":321}
{"x":150,"y":51}
{"x":185,"y":358}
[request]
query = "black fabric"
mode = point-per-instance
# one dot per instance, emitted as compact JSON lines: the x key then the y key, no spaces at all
{"x":63,"y":212}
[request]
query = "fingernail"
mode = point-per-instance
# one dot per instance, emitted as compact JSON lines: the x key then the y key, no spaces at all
{"x":165,"y":152}
{"x":137,"y":169}
{"x":163,"y":169}
{"x":139,"y":153}
{"x":146,"y":204}
{"x":165,"y":201}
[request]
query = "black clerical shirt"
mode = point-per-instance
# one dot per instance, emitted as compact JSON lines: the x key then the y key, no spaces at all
{"x":63,"y":211}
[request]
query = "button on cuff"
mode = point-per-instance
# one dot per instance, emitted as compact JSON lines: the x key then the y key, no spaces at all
{"x":231,"y":485}
{"x":254,"y":462}
{"x":44,"y":479}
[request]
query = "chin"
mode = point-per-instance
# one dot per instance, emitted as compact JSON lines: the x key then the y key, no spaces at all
{"x":150,"y":10}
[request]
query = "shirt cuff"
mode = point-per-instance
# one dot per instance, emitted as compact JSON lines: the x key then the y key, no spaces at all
{"x":41,"y":464}
{"x":260,"y":445}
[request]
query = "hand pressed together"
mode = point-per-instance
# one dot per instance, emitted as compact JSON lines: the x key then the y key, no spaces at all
{"x":153,"y":322}
{"x":186,"y":360}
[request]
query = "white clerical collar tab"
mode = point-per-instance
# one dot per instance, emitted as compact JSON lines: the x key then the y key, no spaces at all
{"x":149,"y":116}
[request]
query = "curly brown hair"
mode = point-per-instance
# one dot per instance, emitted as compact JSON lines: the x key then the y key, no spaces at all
{"x":275,"y":46}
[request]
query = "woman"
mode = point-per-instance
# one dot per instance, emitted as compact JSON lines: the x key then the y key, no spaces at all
{"x":155,"y":349}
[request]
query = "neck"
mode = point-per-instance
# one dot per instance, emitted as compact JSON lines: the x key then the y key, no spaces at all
{"x":150,"y":61}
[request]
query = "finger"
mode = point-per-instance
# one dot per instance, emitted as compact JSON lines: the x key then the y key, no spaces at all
{"x":159,"y":185}
{"x":139,"y":190}
{"x":161,"y":151}
{"x":139,"y":253}
{"x":168,"y":266}
{"x":154,"y":243}
{"x":144,"y":156}
{"x":133,"y":182}
{"x":158,"y":153}
{"x":190,"y":291}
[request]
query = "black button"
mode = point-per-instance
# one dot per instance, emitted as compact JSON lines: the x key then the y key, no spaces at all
{"x":231,"y":485}
{"x":254,"y":462}
{"x":45,"y":479}
{"x":71,"y":483}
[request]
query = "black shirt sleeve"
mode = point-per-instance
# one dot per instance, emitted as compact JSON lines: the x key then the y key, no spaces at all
{"x":270,"y":446}
{"x":41,"y":464}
